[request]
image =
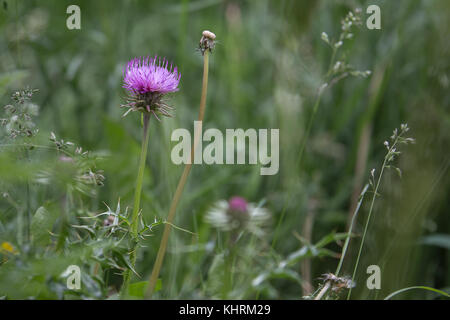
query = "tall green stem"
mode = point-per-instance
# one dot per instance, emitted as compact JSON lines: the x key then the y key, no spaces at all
{"x":173,"y":207}
{"x":136,"y":206}
{"x":349,"y":234}
{"x":230,"y":259}
{"x":367,"y":224}
{"x":386,"y":160}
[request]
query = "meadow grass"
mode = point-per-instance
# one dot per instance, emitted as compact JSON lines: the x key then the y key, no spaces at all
{"x":271,"y":68}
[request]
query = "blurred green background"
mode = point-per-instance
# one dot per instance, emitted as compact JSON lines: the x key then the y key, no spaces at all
{"x":266,"y":69}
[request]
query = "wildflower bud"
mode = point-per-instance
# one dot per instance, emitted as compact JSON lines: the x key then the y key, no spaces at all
{"x":108,"y":221}
{"x":338,"y":44}
{"x":207,"y":42}
{"x":325,"y":38}
{"x":322,"y":88}
{"x":337,"y":66}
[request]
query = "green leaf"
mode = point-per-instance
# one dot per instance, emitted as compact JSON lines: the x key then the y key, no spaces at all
{"x":438,"y":240}
{"x":276,"y":274}
{"x":41,"y":226}
{"x":331,"y":237}
{"x":123,"y":260}
{"x":138,"y":289}
{"x":87,"y":228}
{"x":295,"y":256}
{"x":158,"y":285}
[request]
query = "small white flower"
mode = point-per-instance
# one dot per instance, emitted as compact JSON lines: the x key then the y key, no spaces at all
{"x":338,"y":44}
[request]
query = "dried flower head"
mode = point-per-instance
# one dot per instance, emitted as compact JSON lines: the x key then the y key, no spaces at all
{"x":20,"y":114}
{"x":207,"y":42}
{"x":148,"y":80}
{"x":237,"y":214}
{"x":337,"y":283}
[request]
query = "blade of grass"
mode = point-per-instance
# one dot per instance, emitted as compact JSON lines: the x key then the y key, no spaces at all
{"x":445,"y":294}
{"x":347,"y":240}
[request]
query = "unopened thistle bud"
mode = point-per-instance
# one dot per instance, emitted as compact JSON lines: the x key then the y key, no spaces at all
{"x":207,"y":42}
{"x":109,"y":221}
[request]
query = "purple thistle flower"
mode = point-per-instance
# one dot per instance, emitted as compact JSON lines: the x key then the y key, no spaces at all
{"x":144,"y":75}
{"x":148,"y":80}
{"x":238,"y":214}
{"x":237,"y":204}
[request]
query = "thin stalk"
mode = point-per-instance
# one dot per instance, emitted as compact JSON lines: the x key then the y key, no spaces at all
{"x":347,"y":240}
{"x":66,"y":202}
{"x":386,"y":159}
{"x":367,"y":224}
{"x":137,"y":200}
{"x":34,"y":146}
{"x":230,"y":259}
{"x":305,"y":264}
{"x":28,"y":214}
{"x":173,"y":206}
{"x":323,"y":290}
{"x":330,"y":67}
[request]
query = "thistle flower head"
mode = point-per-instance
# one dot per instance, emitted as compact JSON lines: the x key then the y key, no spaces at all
{"x":150,"y":75}
{"x":237,"y":214}
{"x":147,"y":81}
{"x":207,"y":42}
{"x":238,"y":204}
